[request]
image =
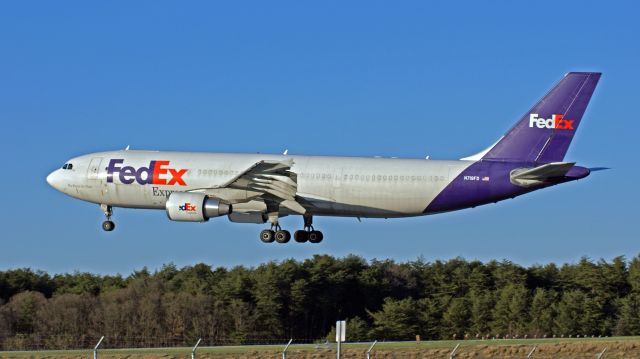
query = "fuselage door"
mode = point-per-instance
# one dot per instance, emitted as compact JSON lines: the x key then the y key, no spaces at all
{"x":94,"y":168}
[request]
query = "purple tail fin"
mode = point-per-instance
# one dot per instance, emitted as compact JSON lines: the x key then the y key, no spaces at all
{"x":544,"y":133}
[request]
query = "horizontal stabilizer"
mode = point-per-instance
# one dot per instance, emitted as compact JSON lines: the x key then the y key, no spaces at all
{"x":527,"y":177}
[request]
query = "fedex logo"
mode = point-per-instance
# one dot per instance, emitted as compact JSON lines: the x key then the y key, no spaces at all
{"x":157,"y":173}
{"x":187,"y":207}
{"x":556,"y":121}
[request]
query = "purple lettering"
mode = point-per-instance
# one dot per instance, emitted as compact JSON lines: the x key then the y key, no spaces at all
{"x":112,"y":168}
{"x":125,"y":172}
{"x":149,"y":174}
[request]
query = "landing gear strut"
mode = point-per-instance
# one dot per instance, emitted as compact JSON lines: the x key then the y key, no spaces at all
{"x":309,"y":233}
{"x":107,"y":225}
{"x":276,"y":233}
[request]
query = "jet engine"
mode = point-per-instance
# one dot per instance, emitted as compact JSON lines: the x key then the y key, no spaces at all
{"x":194,"y":207}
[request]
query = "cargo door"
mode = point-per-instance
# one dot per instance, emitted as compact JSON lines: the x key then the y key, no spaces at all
{"x":94,"y":168}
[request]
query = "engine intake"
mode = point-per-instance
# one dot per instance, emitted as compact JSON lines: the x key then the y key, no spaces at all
{"x":194,"y":207}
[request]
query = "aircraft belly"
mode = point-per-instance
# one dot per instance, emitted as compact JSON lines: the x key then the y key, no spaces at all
{"x":134,"y":196}
{"x":380,"y":201}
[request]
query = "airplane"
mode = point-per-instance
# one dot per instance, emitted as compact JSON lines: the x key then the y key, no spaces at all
{"x":256,"y":188}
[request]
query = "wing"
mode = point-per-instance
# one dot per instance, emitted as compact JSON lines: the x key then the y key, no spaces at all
{"x":273,"y":179}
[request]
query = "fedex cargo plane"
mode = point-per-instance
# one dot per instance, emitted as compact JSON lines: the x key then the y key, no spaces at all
{"x":256,"y":188}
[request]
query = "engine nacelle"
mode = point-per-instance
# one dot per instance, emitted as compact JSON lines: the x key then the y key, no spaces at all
{"x":194,"y":207}
{"x":249,"y":212}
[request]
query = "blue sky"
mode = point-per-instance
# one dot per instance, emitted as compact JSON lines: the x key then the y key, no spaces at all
{"x":401,"y":79}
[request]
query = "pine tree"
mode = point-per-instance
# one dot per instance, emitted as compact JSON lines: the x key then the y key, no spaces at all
{"x":481,"y":307}
{"x":629,"y":320}
{"x":510,"y":315}
{"x":398,"y":319}
{"x":456,"y":319}
{"x":570,"y":312}
{"x":541,"y":313}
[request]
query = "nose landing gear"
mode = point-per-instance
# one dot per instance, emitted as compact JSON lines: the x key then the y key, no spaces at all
{"x":107,"y":225}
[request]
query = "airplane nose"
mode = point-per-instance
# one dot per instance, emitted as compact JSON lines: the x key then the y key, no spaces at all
{"x":53,"y":179}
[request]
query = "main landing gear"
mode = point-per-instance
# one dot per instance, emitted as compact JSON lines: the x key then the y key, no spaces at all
{"x":279,"y":235}
{"x":308,"y":234}
{"x":107,"y":225}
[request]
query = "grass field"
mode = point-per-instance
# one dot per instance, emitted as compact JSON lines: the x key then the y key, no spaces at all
{"x":617,"y":347}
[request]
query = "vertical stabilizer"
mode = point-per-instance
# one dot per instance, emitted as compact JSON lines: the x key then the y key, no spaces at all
{"x":544,"y":133}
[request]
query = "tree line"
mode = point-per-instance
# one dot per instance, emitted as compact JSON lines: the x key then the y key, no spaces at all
{"x":380,"y":299}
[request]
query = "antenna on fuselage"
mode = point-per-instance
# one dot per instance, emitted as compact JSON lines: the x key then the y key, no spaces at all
{"x":126,"y":148}
{"x":428,"y":157}
{"x":285,"y":152}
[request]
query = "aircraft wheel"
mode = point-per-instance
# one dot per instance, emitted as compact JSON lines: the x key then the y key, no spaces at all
{"x":315,"y":237}
{"x":108,"y":226}
{"x":301,"y":236}
{"x":267,"y":236}
{"x":282,"y":236}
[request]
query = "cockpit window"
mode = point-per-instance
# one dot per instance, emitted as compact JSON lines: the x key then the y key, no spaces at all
{"x":67,"y":166}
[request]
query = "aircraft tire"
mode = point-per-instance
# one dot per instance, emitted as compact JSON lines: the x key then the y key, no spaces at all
{"x":315,"y":237}
{"x":108,"y":226}
{"x":301,"y":236}
{"x":267,"y":236}
{"x":282,"y":236}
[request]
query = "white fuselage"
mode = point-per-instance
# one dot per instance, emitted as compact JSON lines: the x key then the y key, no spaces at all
{"x":338,"y":186}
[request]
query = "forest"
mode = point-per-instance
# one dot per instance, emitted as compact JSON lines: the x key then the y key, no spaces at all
{"x":302,"y":299}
